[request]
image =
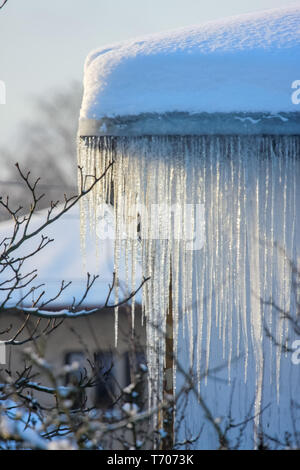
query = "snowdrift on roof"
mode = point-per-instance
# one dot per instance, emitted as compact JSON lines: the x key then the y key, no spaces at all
{"x":243,"y":64}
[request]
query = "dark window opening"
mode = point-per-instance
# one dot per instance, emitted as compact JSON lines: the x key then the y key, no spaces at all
{"x":74,"y":378}
{"x":106,"y":386}
{"x":136,"y":374}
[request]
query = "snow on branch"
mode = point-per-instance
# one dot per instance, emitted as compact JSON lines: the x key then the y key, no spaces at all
{"x":71,"y":313}
{"x":12,"y":261}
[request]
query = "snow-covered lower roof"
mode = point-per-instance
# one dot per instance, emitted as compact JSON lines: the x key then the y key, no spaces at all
{"x":63,"y":260}
{"x":242,"y":64}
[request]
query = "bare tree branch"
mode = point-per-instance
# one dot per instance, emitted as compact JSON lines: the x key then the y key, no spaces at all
{"x":3,"y":3}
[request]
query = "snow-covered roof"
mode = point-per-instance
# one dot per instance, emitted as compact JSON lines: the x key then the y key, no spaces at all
{"x":242,"y":64}
{"x":62,"y":260}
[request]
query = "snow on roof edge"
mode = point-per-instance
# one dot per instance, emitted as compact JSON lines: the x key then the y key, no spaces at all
{"x":193,"y":124}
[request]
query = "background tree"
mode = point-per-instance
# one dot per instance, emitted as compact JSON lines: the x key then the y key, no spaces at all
{"x":46,"y":146}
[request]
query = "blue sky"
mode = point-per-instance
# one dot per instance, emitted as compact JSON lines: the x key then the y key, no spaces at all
{"x":43,"y":44}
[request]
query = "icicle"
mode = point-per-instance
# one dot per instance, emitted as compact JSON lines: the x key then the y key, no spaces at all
{"x":247,"y":186}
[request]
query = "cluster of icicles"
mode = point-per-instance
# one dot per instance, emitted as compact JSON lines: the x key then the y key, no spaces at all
{"x":218,"y":214}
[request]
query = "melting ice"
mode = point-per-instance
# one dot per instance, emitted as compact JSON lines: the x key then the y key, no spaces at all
{"x":221,"y":214}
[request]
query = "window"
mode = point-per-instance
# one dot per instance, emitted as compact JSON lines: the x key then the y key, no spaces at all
{"x":114,"y":372}
{"x":106,"y":380}
{"x":74,"y":378}
{"x":136,"y":366}
{"x":117,"y":372}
